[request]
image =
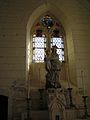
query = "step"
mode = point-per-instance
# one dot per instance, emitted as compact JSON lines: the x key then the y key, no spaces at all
{"x":36,"y":115}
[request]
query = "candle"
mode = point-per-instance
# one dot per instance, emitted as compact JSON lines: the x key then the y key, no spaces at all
{"x":28,"y":86}
{"x":68,"y":77}
{"x":39,"y":74}
{"x":68,"y":74}
{"x":68,"y":81}
{"x":83,"y":84}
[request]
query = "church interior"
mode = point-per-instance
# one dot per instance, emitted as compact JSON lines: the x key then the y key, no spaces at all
{"x":44,"y":60}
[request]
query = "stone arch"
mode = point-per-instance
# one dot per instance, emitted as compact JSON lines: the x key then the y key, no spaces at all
{"x":58,"y":13}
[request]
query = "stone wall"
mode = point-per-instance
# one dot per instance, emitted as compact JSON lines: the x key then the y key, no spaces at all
{"x":14,"y":18}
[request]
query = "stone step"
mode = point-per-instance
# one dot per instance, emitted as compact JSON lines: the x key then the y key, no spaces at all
{"x":88,"y":118}
{"x":82,"y":119}
{"x":36,"y":115}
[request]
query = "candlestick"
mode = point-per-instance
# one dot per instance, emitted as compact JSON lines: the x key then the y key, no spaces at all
{"x":28,"y":109}
{"x":28,"y":98}
{"x":41,"y":98}
{"x":85,"y":107}
{"x":70,"y":98}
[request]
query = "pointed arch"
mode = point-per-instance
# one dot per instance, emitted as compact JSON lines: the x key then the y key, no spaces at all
{"x":47,"y":7}
{"x":64,"y":21}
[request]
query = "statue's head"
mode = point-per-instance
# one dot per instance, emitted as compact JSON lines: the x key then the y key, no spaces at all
{"x":54,"y":49}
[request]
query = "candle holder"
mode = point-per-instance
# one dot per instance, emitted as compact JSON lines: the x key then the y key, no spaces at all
{"x":85,"y":107}
{"x":28,"y":108}
{"x":70,"y":97}
{"x":41,"y":98}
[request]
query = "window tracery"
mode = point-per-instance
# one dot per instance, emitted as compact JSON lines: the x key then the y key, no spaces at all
{"x":48,"y":32}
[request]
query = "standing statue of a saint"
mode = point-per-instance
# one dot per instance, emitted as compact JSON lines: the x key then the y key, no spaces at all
{"x":53,"y":67}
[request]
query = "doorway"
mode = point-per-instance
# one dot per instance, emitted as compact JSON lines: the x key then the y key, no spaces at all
{"x":3,"y":107}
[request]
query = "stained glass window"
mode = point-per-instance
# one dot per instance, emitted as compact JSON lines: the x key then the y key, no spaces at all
{"x":48,"y":30}
{"x":39,"y":45}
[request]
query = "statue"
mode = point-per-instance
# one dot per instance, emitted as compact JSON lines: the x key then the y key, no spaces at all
{"x":53,"y":67}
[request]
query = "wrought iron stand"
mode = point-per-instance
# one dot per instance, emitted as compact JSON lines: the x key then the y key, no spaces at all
{"x":70,"y":97}
{"x":85,"y":107}
{"x":28,"y":109}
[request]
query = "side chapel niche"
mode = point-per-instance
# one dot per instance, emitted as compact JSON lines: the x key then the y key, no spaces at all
{"x":46,"y":32}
